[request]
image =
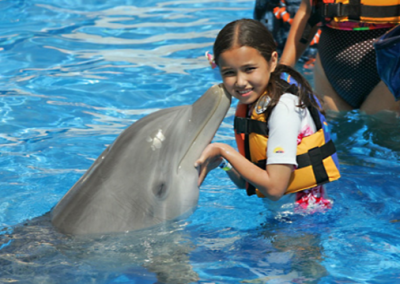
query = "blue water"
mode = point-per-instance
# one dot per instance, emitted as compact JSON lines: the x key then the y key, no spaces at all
{"x":74,"y":74}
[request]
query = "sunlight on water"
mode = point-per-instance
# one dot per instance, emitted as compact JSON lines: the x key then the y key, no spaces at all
{"x":75,"y":74}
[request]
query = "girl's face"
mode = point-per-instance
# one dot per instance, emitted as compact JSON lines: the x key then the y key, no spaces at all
{"x":245,"y":72}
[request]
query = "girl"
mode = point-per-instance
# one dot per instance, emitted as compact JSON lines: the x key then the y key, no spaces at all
{"x":270,"y":109}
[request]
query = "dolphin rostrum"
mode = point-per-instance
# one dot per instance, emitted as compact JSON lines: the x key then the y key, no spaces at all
{"x":147,"y":175}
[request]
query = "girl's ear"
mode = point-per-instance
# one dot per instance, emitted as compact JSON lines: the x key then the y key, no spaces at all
{"x":273,"y":61}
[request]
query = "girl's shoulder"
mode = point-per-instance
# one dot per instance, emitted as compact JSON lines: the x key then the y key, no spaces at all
{"x":289,"y":100}
{"x":289,"y":103}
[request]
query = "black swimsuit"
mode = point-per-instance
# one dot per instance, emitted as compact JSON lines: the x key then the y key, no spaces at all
{"x":349,"y":62}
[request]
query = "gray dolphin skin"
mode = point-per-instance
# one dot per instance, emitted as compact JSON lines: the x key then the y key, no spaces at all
{"x":147,"y":175}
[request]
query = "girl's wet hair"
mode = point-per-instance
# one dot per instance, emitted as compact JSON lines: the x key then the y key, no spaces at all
{"x":252,"y":33}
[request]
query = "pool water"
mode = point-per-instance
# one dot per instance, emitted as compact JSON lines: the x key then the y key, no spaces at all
{"x":74,"y":74}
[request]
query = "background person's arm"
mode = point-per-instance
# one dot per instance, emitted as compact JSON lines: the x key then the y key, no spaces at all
{"x":293,"y":47}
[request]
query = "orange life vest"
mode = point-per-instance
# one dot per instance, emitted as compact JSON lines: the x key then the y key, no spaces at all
{"x":316,"y":154}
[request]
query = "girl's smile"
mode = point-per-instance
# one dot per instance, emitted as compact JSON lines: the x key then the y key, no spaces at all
{"x":245,"y":72}
{"x":245,"y":93}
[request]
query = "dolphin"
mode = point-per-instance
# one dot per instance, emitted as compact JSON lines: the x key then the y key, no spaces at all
{"x":147,"y":175}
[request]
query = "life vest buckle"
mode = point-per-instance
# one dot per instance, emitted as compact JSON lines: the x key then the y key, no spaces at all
{"x":333,"y":10}
{"x":351,"y":10}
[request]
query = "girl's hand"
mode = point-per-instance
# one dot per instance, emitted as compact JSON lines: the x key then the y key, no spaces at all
{"x":209,"y":160}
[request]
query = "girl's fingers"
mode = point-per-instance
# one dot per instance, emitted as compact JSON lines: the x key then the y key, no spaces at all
{"x":200,"y":161}
{"x":209,"y":160}
{"x":202,"y":175}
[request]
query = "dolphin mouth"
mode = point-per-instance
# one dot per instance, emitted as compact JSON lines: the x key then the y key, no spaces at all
{"x":217,"y":102}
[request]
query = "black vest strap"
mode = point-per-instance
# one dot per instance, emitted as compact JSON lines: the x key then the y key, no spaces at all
{"x":288,"y":88}
{"x":307,"y":159}
{"x":247,"y":126}
{"x":318,"y":167}
{"x":250,"y":189}
{"x":315,"y":116}
{"x":354,"y":10}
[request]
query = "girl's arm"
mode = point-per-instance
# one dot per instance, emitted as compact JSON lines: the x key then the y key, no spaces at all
{"x":272,"y":182}
{"x":293,"y":47}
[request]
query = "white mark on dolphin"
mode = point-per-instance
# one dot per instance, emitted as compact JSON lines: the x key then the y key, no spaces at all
{"x":156,"y":142}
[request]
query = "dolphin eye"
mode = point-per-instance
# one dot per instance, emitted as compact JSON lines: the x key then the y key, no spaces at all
{"x":160,"y":190}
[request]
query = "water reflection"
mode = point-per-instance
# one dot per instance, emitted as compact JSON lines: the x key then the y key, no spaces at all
{"x":362,"y":139}
{"x":34,"y":252}
{"x":153,"y":27}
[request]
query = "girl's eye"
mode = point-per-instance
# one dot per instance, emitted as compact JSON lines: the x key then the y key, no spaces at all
{"x":250,"y":69}
{"x":227,"y":73}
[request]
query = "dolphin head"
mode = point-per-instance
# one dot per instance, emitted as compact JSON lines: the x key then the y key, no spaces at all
{"x":147,"y":176}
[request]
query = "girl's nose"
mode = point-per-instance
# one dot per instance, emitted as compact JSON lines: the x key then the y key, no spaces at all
{"x":241,"y":80}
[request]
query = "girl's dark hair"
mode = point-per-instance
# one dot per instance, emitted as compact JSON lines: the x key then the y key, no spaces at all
{"x":252,"y":33}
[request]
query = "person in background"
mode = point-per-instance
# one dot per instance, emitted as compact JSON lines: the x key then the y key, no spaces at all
{"x":284,"y":147}
{"x":345,"y":72}
{"x":277,"y":16}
